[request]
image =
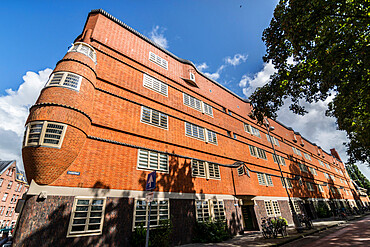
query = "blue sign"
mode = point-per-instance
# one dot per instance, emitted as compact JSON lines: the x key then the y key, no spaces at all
{"x":150,"y":182}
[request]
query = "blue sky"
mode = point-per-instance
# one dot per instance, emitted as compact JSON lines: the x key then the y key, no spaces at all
{"x":223,"y":38}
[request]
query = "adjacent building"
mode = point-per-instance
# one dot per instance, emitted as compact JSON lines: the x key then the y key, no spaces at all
{"x":116,"y":107}
{"x":13,"y":185}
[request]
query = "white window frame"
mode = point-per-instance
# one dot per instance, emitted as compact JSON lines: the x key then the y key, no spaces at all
{"x":296,"y":151}
{"x":252,"y":130}
{"x":241,"y":170}
{"x":310,"y":186}
{"x":272,"y":208}
{"x":207,"y":109}
{"x":60,"y":81}
{"x":41,"y":140}
{"x":5,"y":196}
{"x":199,"y":130}
{"x":158,"y":60}
{"x":307,"y":156}
{"x":155,"y":85}
{"x":302,"y":167}
{"x":321,"y":163}
{"x":203,"y":210}
{"x":86,"y":232}
{"x":328,"y":166}
{"x":218,"y":210}
{"x":257,"y":152}
{"x":211,"y":137}
{"x":313,"y":171}
{"x":148,"y":156}
{"x":320,"y":188}
{"x":278,"y":159}
{"x":296,"y":206}
{"x":197,"y":103}
{"x":198,"y":168}
{"x":273,"y":139}
{"x":326,"y":175}
{"x":288,"y":183}
{"x":159,"y":212}
{"x":264,"y":179}
{"x":85,"y":49}
{"x":161,"y":117}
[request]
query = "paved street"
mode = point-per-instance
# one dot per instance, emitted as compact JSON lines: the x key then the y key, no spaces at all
{"x":355,"y":233}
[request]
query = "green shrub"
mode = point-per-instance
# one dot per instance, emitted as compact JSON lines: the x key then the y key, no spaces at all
{"x":323,"y":210}
{"x":158,"y":237}
{"x":211,"y":232}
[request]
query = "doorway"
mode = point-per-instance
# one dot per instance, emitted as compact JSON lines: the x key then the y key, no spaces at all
{"x":249,"y":218}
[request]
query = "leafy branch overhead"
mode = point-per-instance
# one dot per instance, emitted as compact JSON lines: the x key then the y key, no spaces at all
{"x":321,"y":48}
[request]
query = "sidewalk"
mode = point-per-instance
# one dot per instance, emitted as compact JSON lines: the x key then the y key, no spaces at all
{"x":256,"y":239}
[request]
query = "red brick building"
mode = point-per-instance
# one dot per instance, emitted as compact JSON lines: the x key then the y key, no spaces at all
{"x":117,"y":107}
{"x":13,"y":185}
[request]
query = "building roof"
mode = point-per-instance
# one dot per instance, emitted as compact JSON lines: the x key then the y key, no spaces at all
{"x":4,"y":164}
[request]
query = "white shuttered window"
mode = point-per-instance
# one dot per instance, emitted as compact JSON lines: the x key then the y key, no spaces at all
{"x":155,"y":85}
{"x":154,"y":117}
{"x":158,"y":60}
{"x":152,"y":160}
{"x":194,"y":131}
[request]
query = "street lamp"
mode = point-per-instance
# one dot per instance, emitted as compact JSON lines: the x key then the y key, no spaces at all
{"x":296,"y":221}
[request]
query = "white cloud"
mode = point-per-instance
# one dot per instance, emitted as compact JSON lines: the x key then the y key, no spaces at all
{"x":202,"y":67}
{"x":250,"y":84}
{"x":215,"y":75}
{"x":14,"y":107}
{"x":236,"y":60}
{"x":157,"y":36}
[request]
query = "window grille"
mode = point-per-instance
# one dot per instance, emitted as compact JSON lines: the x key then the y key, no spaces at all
{"x":198,"y":168}
{"x":272,"y":208}
{"x":158,"y":60}
{"x":152,"y":160}
{"x":297,"y":208}
{"x":202,"y":210}
{"x":154,"y":117}
{"x":288,"y":183}
{"x":45,"y":133}
{"x":218,"y":210}
{"x":313,"y":171}
{"x":207,"y":109}
{"x":214,"y":171}
{"x":211,"y":137}
{"x":274,"y":140}
{"x":241,"y":170}
{"x":307,"y":156}
{"x":155,"y":85}
{"x":87,"y":217}
{"x":192,"y":102}
{"x":309,"y":186}
{"x":269,"y":180}
{"x":84,"y":49}
{"x":303,"y":167}
{"x":296,"y":151}
{"x":320,"y":188}
{"x":257,"y":152}
{"x":279,"y":160}
{"x":194,"y":131}
{"x":160,"y":210}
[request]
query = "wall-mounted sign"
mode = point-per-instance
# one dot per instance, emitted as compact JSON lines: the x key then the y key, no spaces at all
{"x":73,"y":173}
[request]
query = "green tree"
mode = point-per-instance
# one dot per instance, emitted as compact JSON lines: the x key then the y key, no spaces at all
{"x":321,"y":48}
{"x":357,"y":176}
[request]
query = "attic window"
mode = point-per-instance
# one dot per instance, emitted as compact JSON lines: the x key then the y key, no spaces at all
{"x":192,"y":76}
{"x":85,"y":49}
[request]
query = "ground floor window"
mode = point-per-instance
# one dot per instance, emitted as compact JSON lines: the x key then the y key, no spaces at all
{"x":297,"y":208}
{"x":272,"y":208}
{"x":87,"y":217}
{"x":209,"y":210}
{"x":160,"y":210}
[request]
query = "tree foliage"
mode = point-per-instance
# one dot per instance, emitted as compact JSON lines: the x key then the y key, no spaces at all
{"x":357,"y":176}
{"x":320,"y":49}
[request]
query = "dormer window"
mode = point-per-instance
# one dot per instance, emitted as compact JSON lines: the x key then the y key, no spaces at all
{"x":192,"y":76}
{"x":85,"y":49}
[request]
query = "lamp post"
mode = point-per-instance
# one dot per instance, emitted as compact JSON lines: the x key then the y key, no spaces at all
{"x":296,"y":221}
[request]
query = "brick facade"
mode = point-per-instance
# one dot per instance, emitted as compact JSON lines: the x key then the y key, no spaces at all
{"x":105,"y":132}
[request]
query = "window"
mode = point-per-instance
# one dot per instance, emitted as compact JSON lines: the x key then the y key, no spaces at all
{"x":155,"y":85}
{"x":214,"y":171}
{"x":332,"y":177}
{"x":160,"y":210}
{"x":296,"y":151}
{"x":154,"y":117}
{"x":152,"y":160}
{"x":332,"y":189}
{"x":303,"y":167}
{"x":205,"y":169}
{"x":198,"y":168}
{"x":307,"y":156}
{"x":16,"y":198}
{"x":320,"y":188}
{"x":321,"y":163}
{"x":45,"y":133}
{"x":234,"y":135}
{"x":11,"y":200}
{"x":158,"y":60}
{"x":336,"y":170}
{"x":2,"y":208}
{"x":16,"y":188}
{"x":211,"y":137}
{"x":273,"y":139}
{"x":8,"y":211}
{"x":279,"y":160}
{"x":296,"y":206}
{"x":10,"y":172}
{"x":264,"y":179}
{"x":272,"y":208}
{"x":207,"y":109}
{"x":202,"y":209}
{"x":193,"y":102}
{"x":327,"y":166}
{"x":65,"y":79}
{"x":230,"y":113}
{"x":194,"y":131}
{"x":313,"y":171}
{"x":11,"y":211}
{"x":257,"y":152}
{"x":1,"y":181}
{"x":288,"y":182}
{"x":87,"y":217}
{"x":252,"y":130}
{"x":241,"y":170}
{"x":5,"y":196}
{"x":218,"y":210}
{"x":10,"y":184}
{"x":20,"y":188}
{"x":310,"y":186}
{"x":84,"y":49}
{"x":326,"y":175}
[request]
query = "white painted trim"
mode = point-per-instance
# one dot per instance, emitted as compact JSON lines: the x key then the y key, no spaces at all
{"x":36,"y":189}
